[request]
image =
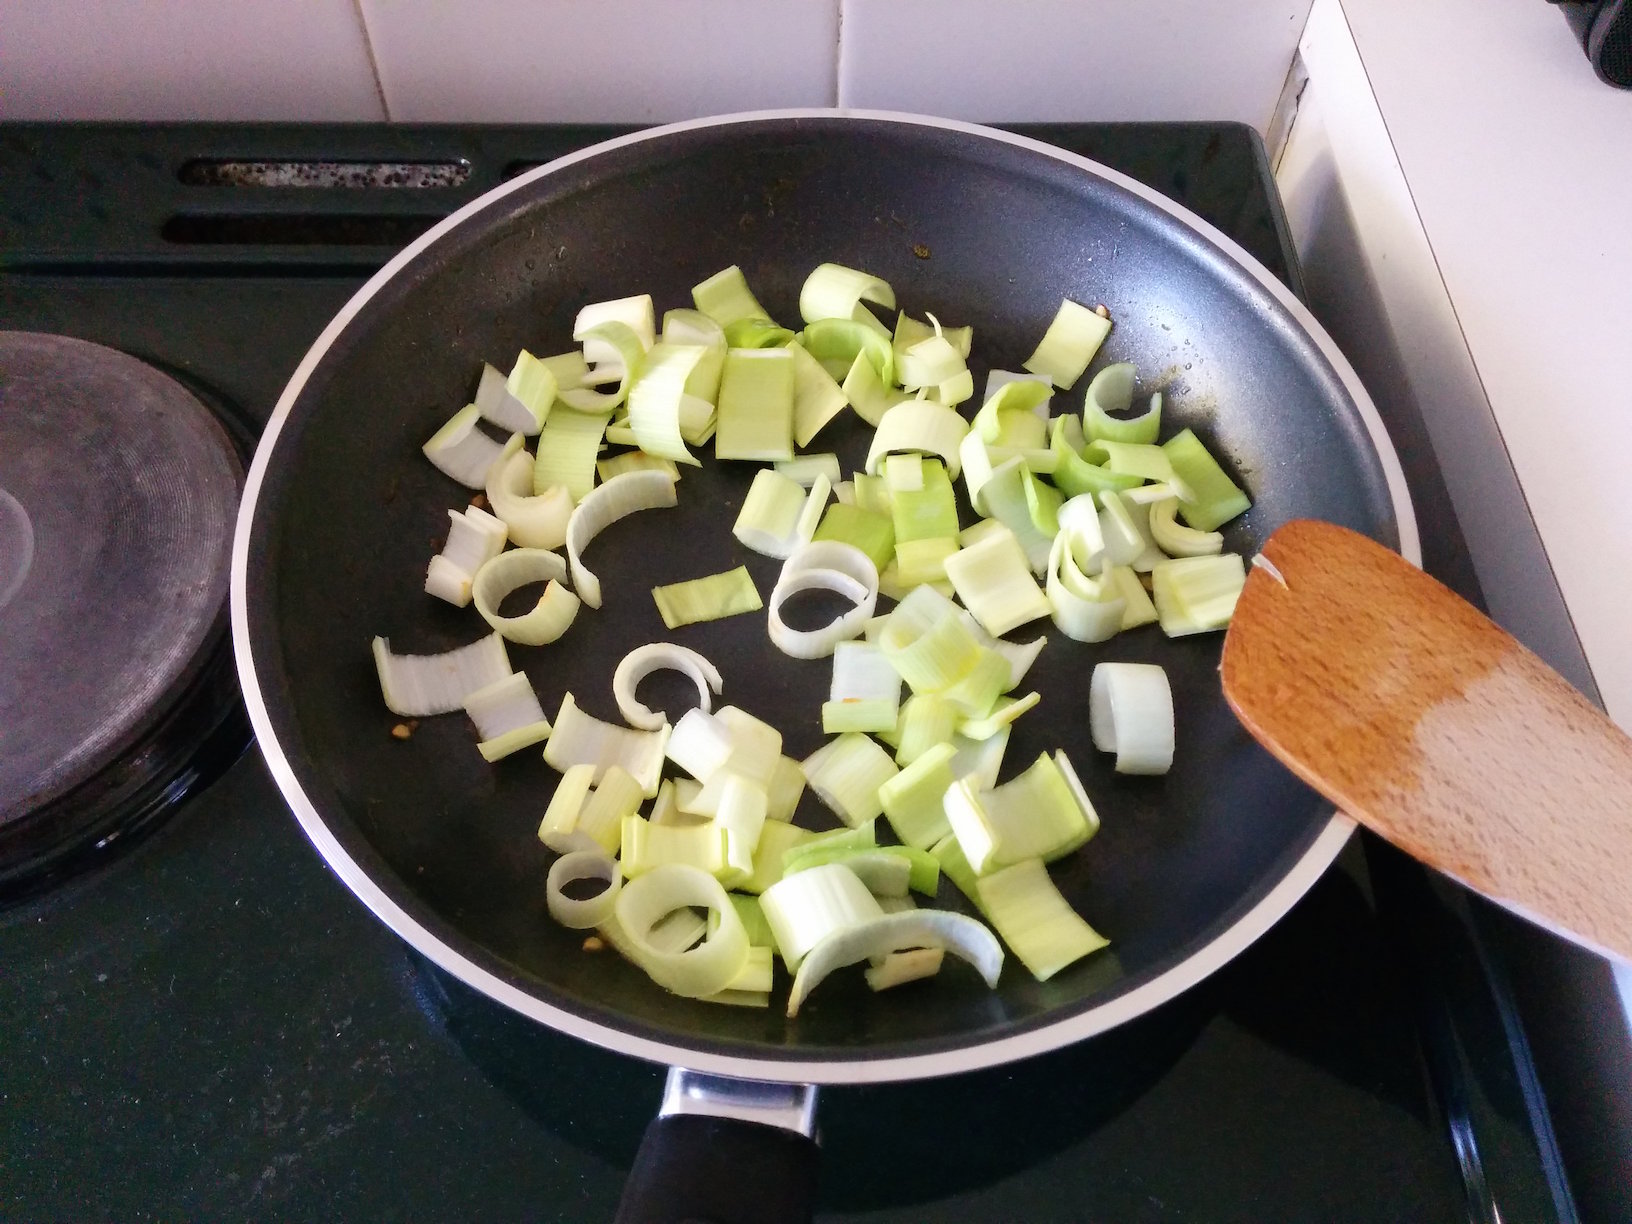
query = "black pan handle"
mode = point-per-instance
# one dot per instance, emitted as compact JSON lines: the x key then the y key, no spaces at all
{"x":725,"y":1151}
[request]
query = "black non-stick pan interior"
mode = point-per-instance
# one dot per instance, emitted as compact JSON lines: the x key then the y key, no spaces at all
{"x":975,"y":230}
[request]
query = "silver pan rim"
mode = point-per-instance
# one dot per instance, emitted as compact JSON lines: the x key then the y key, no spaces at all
{"x":861,"y":1068}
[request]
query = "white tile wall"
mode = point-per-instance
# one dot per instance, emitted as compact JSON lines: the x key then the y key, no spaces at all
{"x":609,"y":60}
{"x":1070,"y":59}
{"x":185,"y":59}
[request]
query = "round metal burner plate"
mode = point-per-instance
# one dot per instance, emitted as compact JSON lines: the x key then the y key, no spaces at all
{"x":118,"y":490}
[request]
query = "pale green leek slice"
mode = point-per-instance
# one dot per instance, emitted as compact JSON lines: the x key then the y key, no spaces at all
{"x":1036,"y":922}
{"x":1020,"y":399}
{"x":1043,"y":502}
{"x":711,"y":598}
{"x":756,"y":746}
{"x":1111,"y":391}
{"x":567,"y":448}
{"x":726,"y":298}
{"x":931,"y":363}
{"x":582,"y":913}
{"x":846,"y":773}
{"x":740,"y":811}
{"x":771,"y":514}
{"x":817,"y":396}
{"x":461,"y":450}
{"x":559,"y":828}
{"x":1138,"y":609}
{"x":1073,"y":473}
{"x":507,"y":716}
{"x":804,"y":908}
{"x":1125,"y":525}
{"x":475,"y":537}
{"x":993,"y":578}
{"x":1130,"y":713}
{"x":658,"y":397}
{"x":921,"y":562}
{"x":617,"y":498}
{"x":416,"y":686}
{"x":1043,"y":813}
{"x":752,"y":985}
{"x":1216,"y":499}
{"x":633,"y":461}
{"x":548,"y":619}
{"x":930,"y":658}
{"x":1004,"y":496}
{"x":867,"y":530}
{"x":785,"y":789}
{"x":496,"y":404}
{"x":884,"y":872}
{"x":909,"y":331}
{"x":775,"y":840}
{"x":755,"y":411}
{"x":913,"y":799}
{"x":601,"y":817}
{"x":697,"y":416}
{"x":834,"y":291}
{"x":922,"y":427}
{"x":978,"y":691}
{"x":757,"y":334}
{"x":823,"y":565}
{"x":927,"y":719}
{"x":1177,"y":540}
{"x":1069,"y":344}
{"x":642,"y":661}
{"x":692,"y":327}
{"x":1000,"y":716}
{"x":1197,"y":594}
{"x":582,"y":739}
{"x":929,"y":512}
{"x":703,"y":970}
{"x":840,"y":341}
{"x":630,"y":347}
{"x":866,"y":691}
{"x":803,"y":469}
{"x":959,"y":934}
{"x":532,"y":384}
{"x":1079,"y":523}
{"x":872,"y":493}
{"x":899,"y":968}
{"x":646,"y":846}
{"x":533,"y":520}
{"x":1083,"y":609}
{"x":867,"y":393}
{"x":635,"y":313}
{"x":753,"y":921}
{"x":665,"y":808}
{"x":1146,"y":461}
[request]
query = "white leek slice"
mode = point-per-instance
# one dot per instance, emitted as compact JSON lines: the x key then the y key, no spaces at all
{"x":959,"y":934}
{"x":834,"y":291}
{"x":921,"y":427}
{"x":785,"y":789}
{"x":776,"y":838}
{"x":980,"y":761}
{"x":507,"y":716}
{"x":993,"y":578}
{"x":567,"y":447}
{"x":1011,"y":495}
{"x":913,"y":799}
{"x":1080,"y":525}
{"x":534,"y":521}
{"x":1130,"y":713}
{"x":1083,"y":610}
{"x":419,"y":685}
{"x":1036,"y":922}
{"x":771,"y":513}
{"x":629,"y":346}
{"x":710,"y":598}
{"x":582,"y":739}
{"x":559,"y":828}
{"x":533,"y":383}
{"x":740,"y":811}
{"x":823,"y":565}
{"x":1197,"y":594}
{"x":805,"y":908}
{"x":803,"y":469}
{"x":475,"y":537}
{"x":846,"y":775}
{"x":633,"y":461}
{"x":702,"y":970}
{"x":1126,"y":528}
{"x":575,"y":913}
{"x":692,"y":327}
{"x":756,"y":746}
{"x":635,"y":313}
{"x":496,"y":404}
{"x":1043,"y":813}
{"x":1177,"y":540}
{"x":700,"y":744}
{"x":1069,"y":344}
{"x":642,"y":661}
{"x":658,"y":397}
{"x":909,"y":331}
{"x":461,"y":450}
{"x":899,"y":968}
{"x":817,"y":396}
{"x":726,"y":298}
{"x":866,"y":690}
{"x":617,"y":498}
{"x":755,"y":411}
{"x":548,"y":619}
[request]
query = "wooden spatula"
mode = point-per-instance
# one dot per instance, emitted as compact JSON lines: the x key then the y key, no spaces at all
{"x":1417,"y":716}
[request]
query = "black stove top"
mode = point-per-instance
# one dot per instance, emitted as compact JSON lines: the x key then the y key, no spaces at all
{"x":210,"y":1026}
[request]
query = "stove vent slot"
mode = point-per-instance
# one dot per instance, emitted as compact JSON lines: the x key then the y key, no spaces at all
{"x":220,"y":172}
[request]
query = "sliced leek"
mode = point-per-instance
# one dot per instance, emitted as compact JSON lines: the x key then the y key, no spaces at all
{"x":784,"y":790}
{"x":1130,"y":713}
{"x":575,"y":913}
{"x":642,"y":661}
{"x":710,"y":598}
{"x":475,"y":537}
{"x":1216,"y":498}
{"x":866,"y":690}
{"x":1083,"y":609}
{"x":921,"y":427}
{"x":461,"y":450}
{"x":898,"y":968}
{"x":755,"y":411}
{"x":913,"y":799}
{"x":927,"y":719}
{"x":559,"y":828}
{"x":817,"y":396}
{"x":703,"y":970}
{"x":771,"y":513}
{"x":614,"y":797}
{"x":617,"y":498}
{"x":823,"y":565}
{"x":567,"y":448}
{"x":956,"y":933}
{"x":776,"y":838}
{"x":658,"y":400}
{"x":1197,"y":594}
{"x":1177,"y":540}
{"x":496,"y":404}
{"x":846,"y":773}
{"x":993,"y":578}
{"x":582,"y":739}
{"x":416,"y":686}
{"x":612,"y":337}
{"x":634,"y":461}
{"x":1111,"y":391}
{"x":532,"y":385}
{"x":507,"y":716}
{"x":867,"y":530}
{"x":635,"y":313}
{"x":1000,"y":716}
{"x":803,"y":469}
{"x":534,"y":520}
{"x":647,"y":845}
{"x":805,"y":908}
{"x":1036,"y":922}
{"x":726,"y":298}
{"x":548,"y":619}
{"x":834,"y":291}
{"x":1043,"y":813}
{"x":1069,"y":344}
{"x":1009,"y":415}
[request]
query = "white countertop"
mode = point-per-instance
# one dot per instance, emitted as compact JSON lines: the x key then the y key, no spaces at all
{"x":1519,"y":163}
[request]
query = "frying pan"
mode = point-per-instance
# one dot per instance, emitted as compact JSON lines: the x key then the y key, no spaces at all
{"x":341,"y":514}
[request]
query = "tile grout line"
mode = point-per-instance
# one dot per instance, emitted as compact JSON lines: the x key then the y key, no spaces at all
{"x":373,"y":60}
